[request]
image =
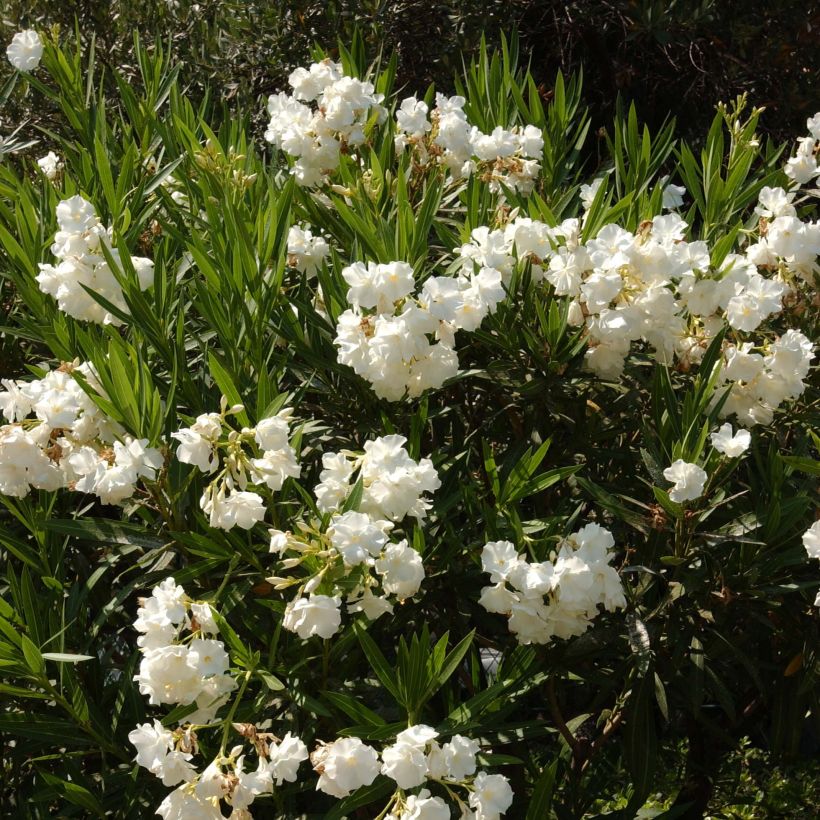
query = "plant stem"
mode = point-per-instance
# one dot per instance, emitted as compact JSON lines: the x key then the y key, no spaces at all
{"x":229,"y":719}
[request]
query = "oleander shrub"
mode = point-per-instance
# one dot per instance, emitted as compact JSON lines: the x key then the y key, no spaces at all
{"x":372,"y":456}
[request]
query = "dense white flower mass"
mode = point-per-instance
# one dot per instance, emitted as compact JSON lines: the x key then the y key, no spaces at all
{"x":688,"y":480}
{"x":25,"y":50}
{"x":184,"y":669}
{"x":70,"y":442}
{"x":315,"y":137}
{"x":394,"y":485}
{"x":553,"y":599}
{"x":177,"y":671}
{"x":78,"y":245}
{"x":655,"y":288}
{"x":210,"y":444}
{"x":227,"y":778}
{"x":414,"y":758}
{"x":404,"y":343}
{"x":503,"y":158}
{"x":352,"y":558}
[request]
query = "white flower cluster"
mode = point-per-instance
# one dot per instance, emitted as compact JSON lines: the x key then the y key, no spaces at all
{"x":786,"y":244}
{"x":553,"y":599}
{"x":227,"y":778}
{"x":352,"y":556}
{"x":210,"y":444}
{"x":762,"y":378}
{"x":70,"y":442}
{"x":393,"y":483}
{"x":803,"y":167}
{"x":306,"y":250}
{"x":657,"y":288}
{"x":78,"y":245}
{"x":504,"y":157}
{"x":403,"y":344}
{"x":178,"y":670}
{"x":25,"y":50}
{"x":195,"y":669}
{"x":416,"y":757}
{"x":317,"y":137}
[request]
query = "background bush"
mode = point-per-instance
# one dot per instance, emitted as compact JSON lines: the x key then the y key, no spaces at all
{"x":674,"y":58}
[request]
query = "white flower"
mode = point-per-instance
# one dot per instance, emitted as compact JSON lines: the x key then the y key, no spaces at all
{"x":166,"y":677}
{"x":285,"y":757}
{"x":372,"y":605}
{"x":278,"y":541}
{"x":204,"y":618}
{"x":306,"y":252}
{"x":499,"y":558}
{"x":153,"y":742}
{"x":357,"y":537}
{"x":588,"y":192}
{"x":24,"y":465}
{"x":459,"y":757}
{"x":208,"y":657}
{"x":672,"y":196}
{"x":318,"y":615}
{"x":497,"y":599}
{"x":401,"y":569}
{"x":239,"y":509}
{"x":212,"y":783}
{"x":272,"y":433}
{"x":344,"y":766}
{"x":405,"y":763}
{"x":250,"y":784}
{"x":185,"y":804}
{"x":491,"y":795}
{"x":376,"y":285}
{"x":689,"y":480}
{"x":811,"y":540}
{"x":196,"y":443}
{"x":176,"y":768}
{"x":394,"y":484}
{"x":25,"y":50}
{"x":411,"y":117}
{"x":422,"y":806}
{"x":274,"y":467}
{"x":50,"y":164}
{"x":731,"y":445}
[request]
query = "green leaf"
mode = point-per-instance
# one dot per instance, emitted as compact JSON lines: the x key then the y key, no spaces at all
{"x":353,"y":708}
{"x":31,"y":653}
{"x":378,"y":662}
{"x":541,"y":801}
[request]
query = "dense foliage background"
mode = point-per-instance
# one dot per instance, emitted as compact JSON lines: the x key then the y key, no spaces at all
{"x":673,"y":58}
{"x":700,"y":700}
